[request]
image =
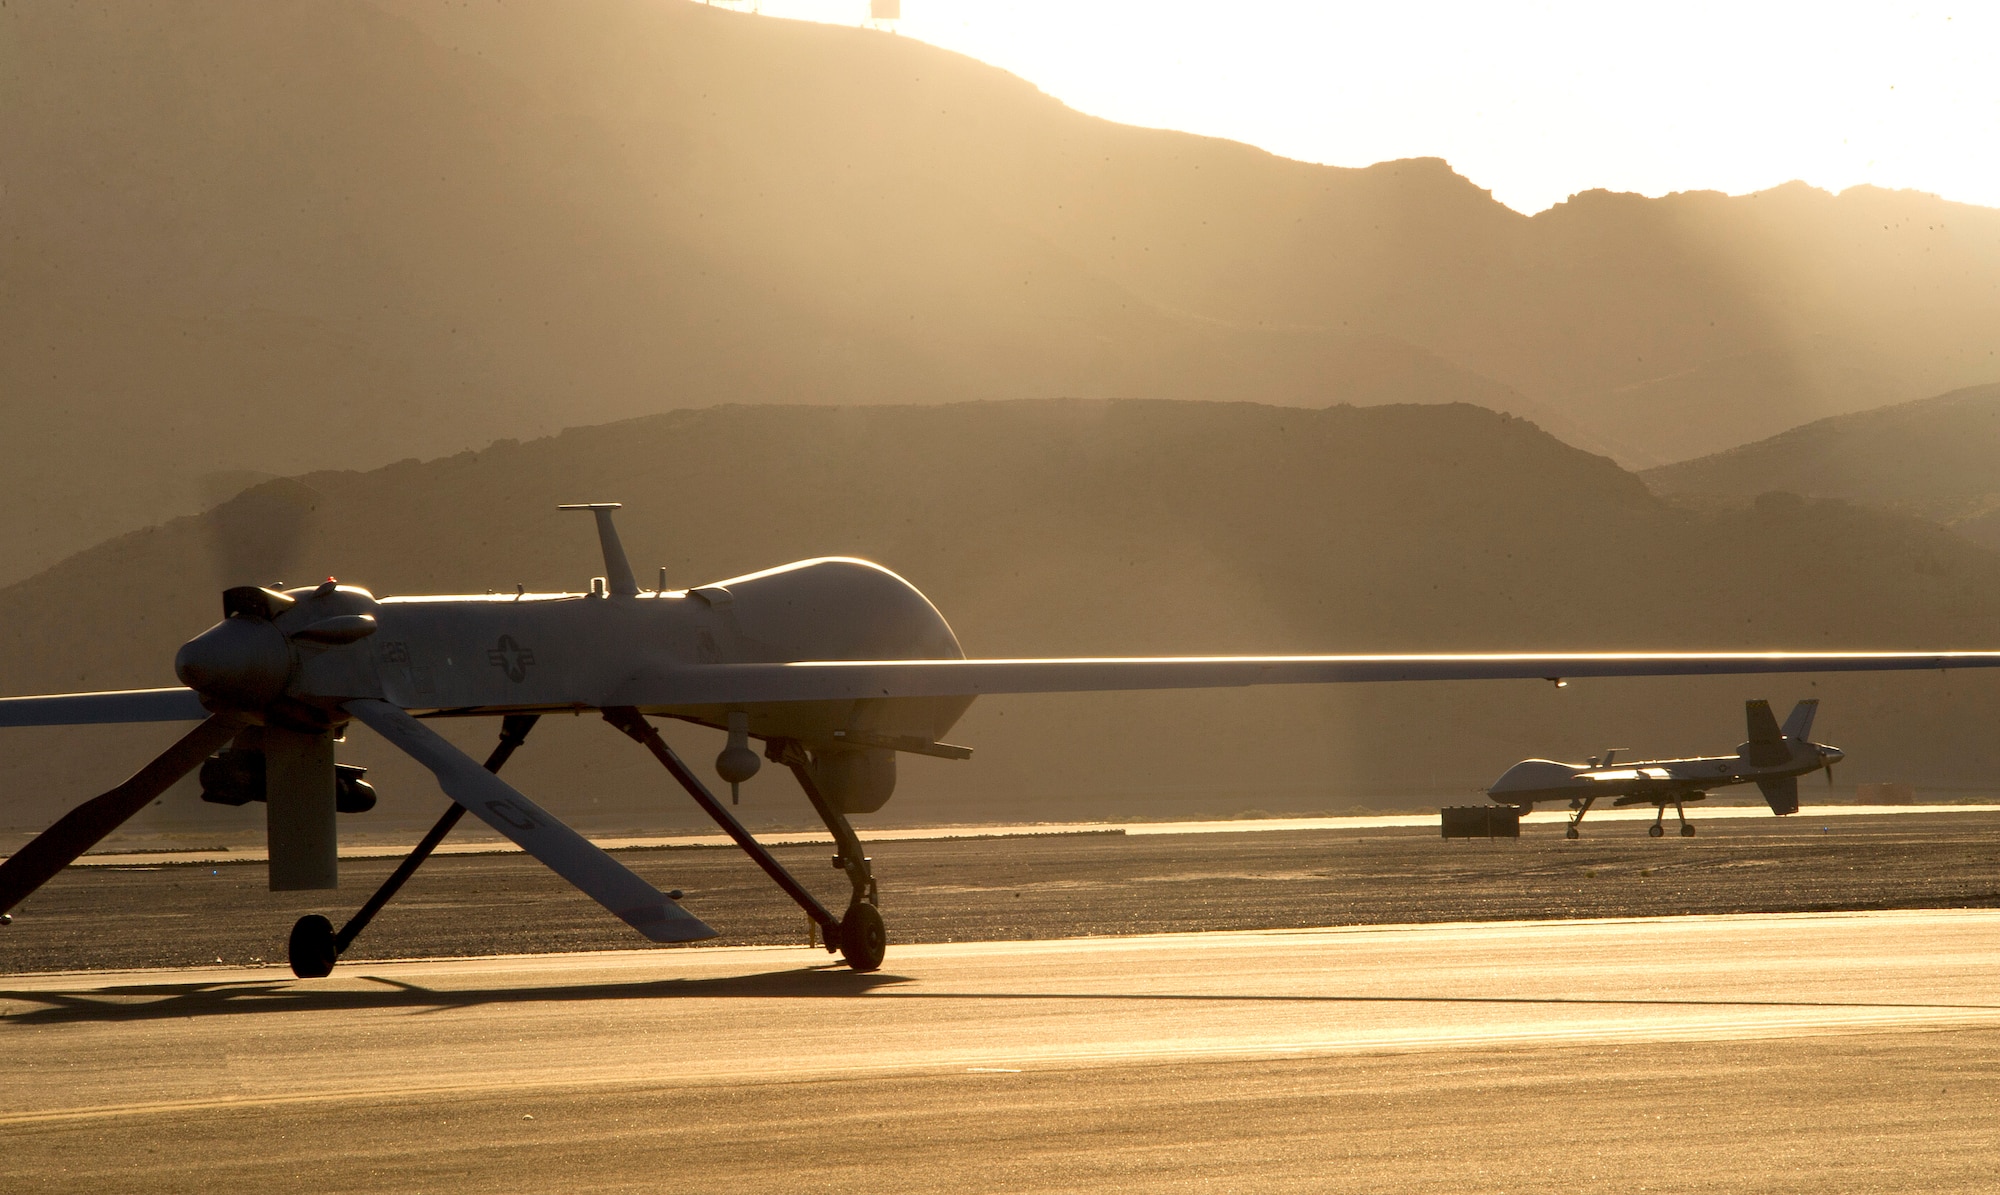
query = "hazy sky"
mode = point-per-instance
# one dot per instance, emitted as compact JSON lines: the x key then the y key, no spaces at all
{"x":1534,"y":100}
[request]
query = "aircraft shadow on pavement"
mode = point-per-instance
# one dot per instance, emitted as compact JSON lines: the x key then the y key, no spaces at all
{"x":144,"y":1002}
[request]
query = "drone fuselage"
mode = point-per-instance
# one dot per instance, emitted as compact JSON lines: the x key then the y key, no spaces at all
{"x":1544,"y":780}
{"x":488,"y":654}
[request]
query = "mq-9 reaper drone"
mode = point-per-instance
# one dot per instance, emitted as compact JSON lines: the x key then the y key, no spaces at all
{"x":1773,"y":758}
{"x":835,"y":665}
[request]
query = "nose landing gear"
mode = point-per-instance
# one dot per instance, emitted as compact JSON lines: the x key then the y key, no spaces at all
{"x":1577,"y":808}
{"x":315,"y":947}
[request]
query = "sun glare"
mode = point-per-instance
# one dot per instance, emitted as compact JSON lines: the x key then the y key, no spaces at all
{"x":1535,"y":101}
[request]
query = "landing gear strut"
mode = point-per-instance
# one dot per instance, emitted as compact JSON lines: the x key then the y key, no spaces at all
{"x":859,"y":936}
{"x":315,"y":946}
{"x":1657,"y":829}
{"x":863,"y":940}
{"x":1577,"y":808}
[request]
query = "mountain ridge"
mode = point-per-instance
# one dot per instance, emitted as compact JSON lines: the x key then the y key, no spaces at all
{"x":1937,"y":458}
{"x":269,"y":238}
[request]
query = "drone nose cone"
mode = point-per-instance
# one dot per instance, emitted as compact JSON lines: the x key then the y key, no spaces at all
{"x":238,"y":662}
{"x":1831,"y":755}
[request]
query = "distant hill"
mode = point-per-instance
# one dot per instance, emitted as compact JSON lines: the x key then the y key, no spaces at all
{"x":1937,"y":458}
{"x":1054,"y":527}
{"x":254,"y":238}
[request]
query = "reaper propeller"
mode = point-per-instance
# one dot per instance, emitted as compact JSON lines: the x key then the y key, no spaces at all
{"x":835,"y":665}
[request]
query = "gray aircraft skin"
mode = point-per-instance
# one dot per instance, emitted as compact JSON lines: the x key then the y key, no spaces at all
{"x":1773,"y":759}
{"x":835,"y":665}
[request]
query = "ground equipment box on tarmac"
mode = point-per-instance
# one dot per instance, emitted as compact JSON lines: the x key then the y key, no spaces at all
{"x":1481,"y":821}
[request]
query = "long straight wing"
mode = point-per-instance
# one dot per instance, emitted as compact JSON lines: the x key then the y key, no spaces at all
{"x":848,"y":680}
{"x":835,"y":680}
{"x":534,"y":829}
{"x":82,"y":709}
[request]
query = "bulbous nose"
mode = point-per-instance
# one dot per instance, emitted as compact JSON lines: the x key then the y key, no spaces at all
{"x":237,"y":663}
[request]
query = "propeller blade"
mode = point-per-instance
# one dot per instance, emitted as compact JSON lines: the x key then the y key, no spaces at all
{"x":86,"y":825}
{"x":535,"y":830}
{"x":1829,"y":775}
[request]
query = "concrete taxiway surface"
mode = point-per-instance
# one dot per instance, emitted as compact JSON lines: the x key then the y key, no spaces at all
{"x":1789,"y":1052}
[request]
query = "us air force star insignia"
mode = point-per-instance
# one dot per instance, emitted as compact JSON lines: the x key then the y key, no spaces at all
{"x":511,"y":658}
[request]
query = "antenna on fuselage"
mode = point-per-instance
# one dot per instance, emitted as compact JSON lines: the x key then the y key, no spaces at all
{"x":618,"y":578}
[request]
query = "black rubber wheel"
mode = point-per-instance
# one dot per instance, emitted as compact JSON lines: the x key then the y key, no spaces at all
{"x":1654,"y":830}
{"x":1687,"y":831}
{"x":1570,"y":833}
{"x":312,"y":950}
{"x":863,"y":939}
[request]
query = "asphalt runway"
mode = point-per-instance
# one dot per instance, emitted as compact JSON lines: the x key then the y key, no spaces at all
{"x":127,"y":917}
{"x":1800,"y":1052}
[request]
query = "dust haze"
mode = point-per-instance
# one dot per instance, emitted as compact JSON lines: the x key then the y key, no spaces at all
{"x":365,"y":290}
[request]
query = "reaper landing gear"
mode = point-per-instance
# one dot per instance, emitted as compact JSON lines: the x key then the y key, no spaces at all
{"x":1658,"y":829}
{"x":1577,"y":809}
{"x":859,"y":936}
{"x":1687,"y":827}
{"x":315,"y":947}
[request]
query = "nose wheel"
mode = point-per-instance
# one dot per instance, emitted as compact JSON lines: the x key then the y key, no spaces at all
{"x":312,"y":949}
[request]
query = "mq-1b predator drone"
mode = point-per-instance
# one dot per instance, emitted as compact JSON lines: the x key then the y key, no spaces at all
{"x":835,"y":665}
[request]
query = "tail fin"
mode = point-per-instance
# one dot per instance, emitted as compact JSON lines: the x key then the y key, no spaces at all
{"x":1798,"y":727}
{"x":1781,"y":794}
{"x":1767,"y":743}
{"x":1763,"y":724}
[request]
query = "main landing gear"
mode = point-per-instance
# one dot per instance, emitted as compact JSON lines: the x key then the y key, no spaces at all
{"x":1687,"y":828}
{"x":858,"y":934}
{"x":1660,"y":801}
{"x":315,"y":945}
{"x":1581,"y":805}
